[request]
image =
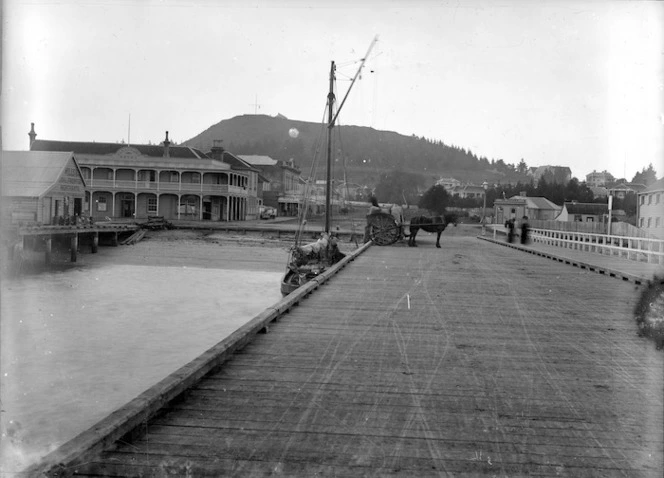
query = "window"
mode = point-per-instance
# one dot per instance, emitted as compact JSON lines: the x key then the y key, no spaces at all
{"x":657,"y":222}
{"x":642,"y":200}
{"x":649,"y":198}
{"x":657,"y":198}
{"x":101,"y":204}
{"x":152,"y":205}
{"x":146,"y":176}
{"x":196,"y":178}
{"x":642,"y":221}
{"x":174,"y":177}
{"x":649,"y":221}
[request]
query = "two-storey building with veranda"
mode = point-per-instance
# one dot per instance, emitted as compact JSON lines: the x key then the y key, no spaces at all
{"x":284,"y":189}
{"x":138,"y":181}
{"x":650,"y":209}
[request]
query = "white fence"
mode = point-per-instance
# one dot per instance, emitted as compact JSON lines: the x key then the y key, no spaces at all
{"x":634,"y":248}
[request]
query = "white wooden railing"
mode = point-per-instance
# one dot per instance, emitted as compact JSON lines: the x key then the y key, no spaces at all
{"x":638,"y":249}
{"x":634,"y":248}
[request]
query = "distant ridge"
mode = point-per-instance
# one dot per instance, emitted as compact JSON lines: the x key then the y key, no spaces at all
{"x":368,"y":152}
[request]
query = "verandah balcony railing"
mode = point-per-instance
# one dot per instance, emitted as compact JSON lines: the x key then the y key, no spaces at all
{"x":139,"y":186}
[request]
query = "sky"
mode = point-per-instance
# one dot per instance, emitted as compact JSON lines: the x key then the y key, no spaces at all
{"x":566,"y":83}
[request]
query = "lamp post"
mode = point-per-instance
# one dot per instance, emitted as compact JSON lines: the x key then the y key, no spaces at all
{"x":485,"y":185}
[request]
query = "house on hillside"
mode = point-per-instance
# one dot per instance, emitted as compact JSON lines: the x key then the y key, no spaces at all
{"x":40,"y":187}
{"x":286,"y":187}
{"x":467,"y":191}
{"x":137,"y":181}
{"x":596,"y":179}
{"x":621,"y":190}
{"x":599,"y":191}
{"x":448,"y":183}
{"x":551,"y":174}
{"x":650,"y":209}
{"x":521,"y":205}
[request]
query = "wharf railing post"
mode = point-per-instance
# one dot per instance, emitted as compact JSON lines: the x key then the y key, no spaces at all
{"x":47,"y":252}
{"x":73,"y":247}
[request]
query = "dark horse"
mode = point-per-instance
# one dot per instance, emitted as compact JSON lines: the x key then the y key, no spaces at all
{"x":435,"y":224}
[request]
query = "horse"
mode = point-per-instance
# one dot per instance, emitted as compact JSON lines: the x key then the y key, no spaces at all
{"x":435,"y":224}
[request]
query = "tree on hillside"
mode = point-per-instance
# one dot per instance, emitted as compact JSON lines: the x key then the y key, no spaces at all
{"x":646,"y":176}
{"x":435,"y":199}
{"x":522,"y":168}
{"x":397,"y":187}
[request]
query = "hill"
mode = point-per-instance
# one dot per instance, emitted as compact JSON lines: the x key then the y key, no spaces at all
{"x":368,"y":152}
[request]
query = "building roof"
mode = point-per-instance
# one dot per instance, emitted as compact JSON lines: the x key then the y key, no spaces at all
{"x":257,"y":160}
{"x":656,"y":186}
{"x":621,"y":187}
{"x":81,"y":147}
{"x":599,"y":191}
{"x":32,"y":173}
{"x":237,"y":162}
{"x":638,"y":187}
{"x":593,"y":209}
{"x":541,"y":203}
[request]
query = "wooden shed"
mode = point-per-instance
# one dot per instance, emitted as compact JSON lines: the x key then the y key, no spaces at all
{"x":40,"y":187}
{"x":583,"y":212}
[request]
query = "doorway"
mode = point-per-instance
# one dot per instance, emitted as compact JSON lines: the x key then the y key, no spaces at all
{"x":127,"y":208}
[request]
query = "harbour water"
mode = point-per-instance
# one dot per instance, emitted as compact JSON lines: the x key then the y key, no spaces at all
{"x":79,"y":343}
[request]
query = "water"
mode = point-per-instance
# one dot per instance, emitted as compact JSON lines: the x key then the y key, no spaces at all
{"x":80,"y":343}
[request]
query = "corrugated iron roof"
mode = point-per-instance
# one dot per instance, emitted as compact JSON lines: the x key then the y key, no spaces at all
{"x":594,"y":209}
{"x":257,"y":160}
{"x":656,"y":186}
{"x":111,"y":148}
{"x":542,"y":203}
{"x":31,"y":173}
{"x":238,"y":162}
{"x":536,"y":202}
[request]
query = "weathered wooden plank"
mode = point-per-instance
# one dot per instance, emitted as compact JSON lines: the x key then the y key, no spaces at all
{"x":452,"y":458}
{"x":426,"y":362}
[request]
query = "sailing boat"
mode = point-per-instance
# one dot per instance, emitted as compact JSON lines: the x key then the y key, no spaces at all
{"x":305,"y":262}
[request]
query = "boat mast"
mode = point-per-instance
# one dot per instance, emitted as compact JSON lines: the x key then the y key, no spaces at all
{"x":330,"y":125}
{"x":332,"y":118}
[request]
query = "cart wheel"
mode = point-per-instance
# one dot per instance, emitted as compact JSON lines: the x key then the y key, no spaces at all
{"x":383,"y":230}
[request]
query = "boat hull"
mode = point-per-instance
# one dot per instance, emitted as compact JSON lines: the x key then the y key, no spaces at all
{"x":289,"y":283}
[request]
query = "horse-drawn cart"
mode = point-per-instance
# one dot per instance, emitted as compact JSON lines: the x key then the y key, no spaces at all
{"x":383,"y":229}
{"x":386,"y":228}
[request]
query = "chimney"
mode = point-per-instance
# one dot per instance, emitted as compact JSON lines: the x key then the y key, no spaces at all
{"x":167,"y":145}
{"x":217,"y":149}
{"x":32,"y":134}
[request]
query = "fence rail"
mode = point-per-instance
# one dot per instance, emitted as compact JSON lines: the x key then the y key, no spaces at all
{"x":638,"y":249}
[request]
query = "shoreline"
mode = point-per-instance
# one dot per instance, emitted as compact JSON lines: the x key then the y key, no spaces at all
{"x":203,"y":248}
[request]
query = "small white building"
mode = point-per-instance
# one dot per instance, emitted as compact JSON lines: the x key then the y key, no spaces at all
{"x":448,"y":183}
{"x":40,"y":187}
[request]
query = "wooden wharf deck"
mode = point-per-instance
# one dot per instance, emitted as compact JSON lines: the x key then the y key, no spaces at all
{"x":638,"y":272}
{"x":470,"y":360}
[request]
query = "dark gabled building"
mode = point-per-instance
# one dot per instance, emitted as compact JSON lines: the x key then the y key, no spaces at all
{"x":583,"y":212}
{"x":285,"y":190}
